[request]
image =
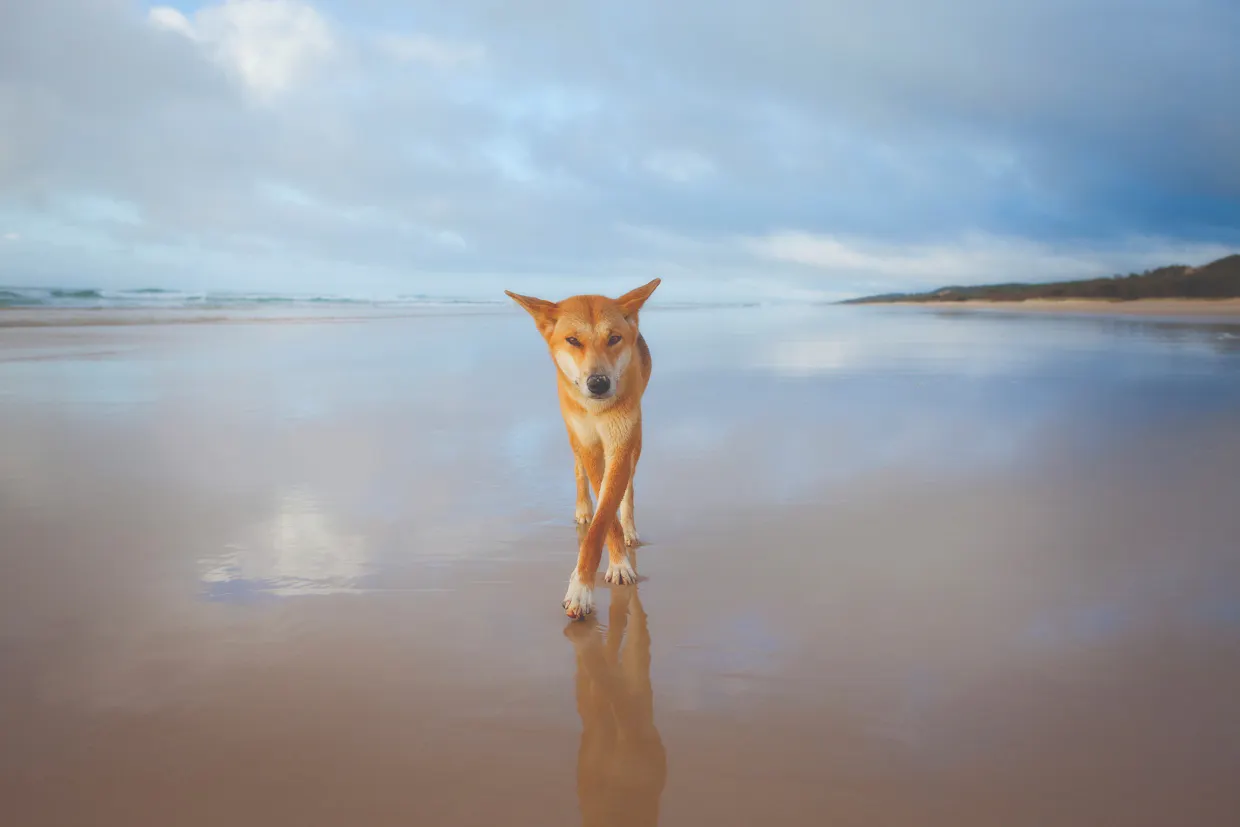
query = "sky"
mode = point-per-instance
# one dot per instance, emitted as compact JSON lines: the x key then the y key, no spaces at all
{"x":778,"y":150}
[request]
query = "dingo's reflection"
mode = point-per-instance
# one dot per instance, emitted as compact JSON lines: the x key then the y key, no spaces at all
{"x":621,"y":764}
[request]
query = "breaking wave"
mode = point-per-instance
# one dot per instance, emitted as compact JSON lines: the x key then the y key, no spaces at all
{"x":155,"y":297}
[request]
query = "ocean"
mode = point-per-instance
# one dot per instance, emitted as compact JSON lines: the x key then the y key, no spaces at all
{"x":153,"y":297}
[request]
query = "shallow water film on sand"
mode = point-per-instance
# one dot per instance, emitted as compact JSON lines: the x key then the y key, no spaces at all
{"x":902,"y":567}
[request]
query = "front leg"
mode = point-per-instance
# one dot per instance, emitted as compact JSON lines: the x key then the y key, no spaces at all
{"x":626,"y":505}
{"x":585,"y":509}
{"x":620,"y":568}
{"x":626,"y":517}
{"x":611,"y":477}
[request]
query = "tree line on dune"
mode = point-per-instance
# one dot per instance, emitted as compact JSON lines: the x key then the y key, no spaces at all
{"x":1216,"y":280}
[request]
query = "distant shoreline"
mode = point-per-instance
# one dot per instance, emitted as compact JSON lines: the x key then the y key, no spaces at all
{"x":1134,"y":307}
{"x":124,"y":317}
{"x":1177,"y":288}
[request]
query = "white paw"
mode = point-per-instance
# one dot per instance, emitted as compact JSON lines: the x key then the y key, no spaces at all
{"x":622,"y":573}
{"x":583,"y":516}
{"x":630,"y":536}
{"x":579,"y":600}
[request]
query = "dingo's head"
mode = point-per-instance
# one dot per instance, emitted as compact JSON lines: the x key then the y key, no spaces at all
{"x":592,"y":338}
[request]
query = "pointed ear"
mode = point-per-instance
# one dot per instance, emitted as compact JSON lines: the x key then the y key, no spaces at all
{"x":633,"y":300}
{"x":542,"y":310}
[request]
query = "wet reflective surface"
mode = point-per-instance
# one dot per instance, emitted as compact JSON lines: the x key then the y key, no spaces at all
{"x":904,"y":567}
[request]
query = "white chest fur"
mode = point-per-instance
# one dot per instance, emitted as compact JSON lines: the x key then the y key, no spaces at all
{"x":585,"y":430}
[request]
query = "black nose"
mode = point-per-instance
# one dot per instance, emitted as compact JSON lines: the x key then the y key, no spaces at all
{"x":598,"y":384}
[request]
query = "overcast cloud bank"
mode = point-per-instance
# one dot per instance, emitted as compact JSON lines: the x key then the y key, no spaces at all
{"x":782,"y":149}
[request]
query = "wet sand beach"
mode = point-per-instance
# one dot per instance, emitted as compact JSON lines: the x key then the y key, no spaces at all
{"x":901,"y":568}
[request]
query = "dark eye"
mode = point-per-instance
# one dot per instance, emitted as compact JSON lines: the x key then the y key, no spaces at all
{"x":614,"y":340}
{"x":572,"y":340}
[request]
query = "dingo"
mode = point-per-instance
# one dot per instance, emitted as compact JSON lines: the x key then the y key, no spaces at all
{"x":603,"y":366}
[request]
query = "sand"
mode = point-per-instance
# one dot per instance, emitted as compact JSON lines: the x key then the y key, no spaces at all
{"x":310,"y":575}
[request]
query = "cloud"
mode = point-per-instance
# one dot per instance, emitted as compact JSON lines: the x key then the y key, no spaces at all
{"x":787,"y":149}
{"x":11,"y":237}
{"x":679,"y":166}
{"x":418,"y":48}
{"x":975,"y":258}
{"x":271,"y":45}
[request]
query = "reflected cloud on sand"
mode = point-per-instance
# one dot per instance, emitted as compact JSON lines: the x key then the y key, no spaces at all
{"x":621,"y":762}
{"x":296,"y":551}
